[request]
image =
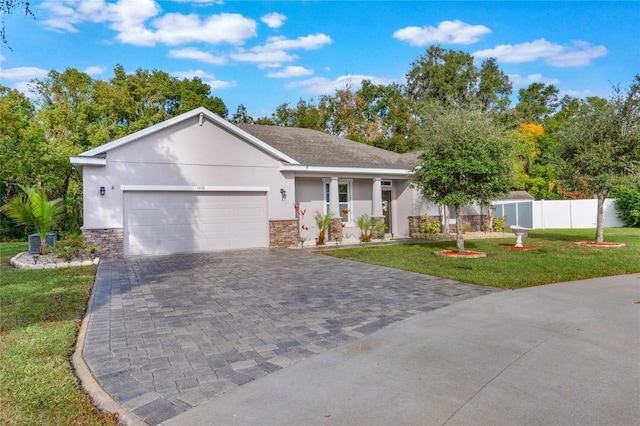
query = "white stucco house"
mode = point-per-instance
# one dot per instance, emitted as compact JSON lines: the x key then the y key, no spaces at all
{"x":199,"y":183}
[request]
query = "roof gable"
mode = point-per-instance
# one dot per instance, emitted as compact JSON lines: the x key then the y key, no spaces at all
{"x":88,"y":157}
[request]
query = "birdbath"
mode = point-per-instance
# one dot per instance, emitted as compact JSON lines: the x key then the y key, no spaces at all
{"x":520,"y":232}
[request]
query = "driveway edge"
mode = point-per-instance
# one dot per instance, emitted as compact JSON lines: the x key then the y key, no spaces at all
{"x":100,"y":398}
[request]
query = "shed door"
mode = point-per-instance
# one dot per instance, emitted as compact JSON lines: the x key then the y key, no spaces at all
{"x":182,"y":222}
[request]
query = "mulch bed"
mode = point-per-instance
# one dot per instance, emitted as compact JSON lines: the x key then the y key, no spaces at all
{"x":523,"y":248}
{"x":468,"y":254}
{"x":601,"y":245}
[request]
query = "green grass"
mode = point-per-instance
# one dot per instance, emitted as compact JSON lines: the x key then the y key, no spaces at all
{"x":556,"y":259}
{"x":40,"y":312}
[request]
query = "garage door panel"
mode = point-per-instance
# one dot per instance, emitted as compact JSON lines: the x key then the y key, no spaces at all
{"x":177,"y":222}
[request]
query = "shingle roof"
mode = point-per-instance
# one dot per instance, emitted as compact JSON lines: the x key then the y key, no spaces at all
{"x":315,"y":148}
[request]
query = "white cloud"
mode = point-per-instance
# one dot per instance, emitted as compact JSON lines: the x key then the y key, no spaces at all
{"x":22,"y":73}
{"x":321,"y":85}
{"x":519,"y":81}
{"x":577,"y":54}
{"x":291,"y":71}
{"x":273,"y":53}
{"x":197,"y":55}
{"x":94,"y":70}
{"x":264,"y":59}
{"x":201,"y":2}
{"x":175,"y":28}
{"x":447,"y":32}
{"x":129,"y":19}
{"x":575,"y":93}
{"x":207,"y":78}
{"x":274,"y":20}
{"x":310,"y":42}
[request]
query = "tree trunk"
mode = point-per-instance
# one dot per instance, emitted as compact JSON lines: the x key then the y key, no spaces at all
{"x":600,"y":220}
{"x":459,"y":235}
{"x":490,"y":216}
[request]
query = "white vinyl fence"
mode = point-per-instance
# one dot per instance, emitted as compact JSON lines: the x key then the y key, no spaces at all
{"x":556,"y":214}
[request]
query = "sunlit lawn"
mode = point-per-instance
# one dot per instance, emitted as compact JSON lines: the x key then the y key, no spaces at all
{"x":40,"y":313}
{"x":556,"y":258}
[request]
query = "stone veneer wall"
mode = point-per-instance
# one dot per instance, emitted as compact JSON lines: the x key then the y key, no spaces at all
{"x":283,"y":233}
{"x":110,"y":241}
{"x":335,"y":231}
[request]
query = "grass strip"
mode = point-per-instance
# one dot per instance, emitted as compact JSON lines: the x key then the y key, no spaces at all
{"x":40,"y":313}
{"x":555,"y":259}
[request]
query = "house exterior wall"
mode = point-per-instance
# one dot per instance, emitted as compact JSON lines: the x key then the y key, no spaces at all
{"x":186,"y":154}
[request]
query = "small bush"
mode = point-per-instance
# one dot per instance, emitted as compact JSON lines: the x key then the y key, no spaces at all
{"x":429,"y":226}
{"x":628,"y":205}
{"x":498,"y":223}
{"x":484,"y":227}
{"x":73,"y":247}
{"x":369,"y":226}
{"x":466,"y":228}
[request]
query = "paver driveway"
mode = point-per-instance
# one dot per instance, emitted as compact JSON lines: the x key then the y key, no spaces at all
{"x":167,"y":333}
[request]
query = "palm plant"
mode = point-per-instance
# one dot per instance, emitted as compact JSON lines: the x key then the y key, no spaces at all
{"x":369,"y":226}
{"x":323,"y":221}
{"x":32,"y":209}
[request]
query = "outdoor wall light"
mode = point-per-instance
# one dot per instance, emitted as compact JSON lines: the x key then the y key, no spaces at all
{"x":102,"y":190}
{"x":283,"y":192}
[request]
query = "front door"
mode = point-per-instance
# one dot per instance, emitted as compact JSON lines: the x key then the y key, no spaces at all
{"x":386,"y":210}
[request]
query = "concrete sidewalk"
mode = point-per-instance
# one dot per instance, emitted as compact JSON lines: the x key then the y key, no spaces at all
{"x":565,"y":353}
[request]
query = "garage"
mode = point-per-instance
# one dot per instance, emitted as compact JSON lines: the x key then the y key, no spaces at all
{"x":167,"y":222}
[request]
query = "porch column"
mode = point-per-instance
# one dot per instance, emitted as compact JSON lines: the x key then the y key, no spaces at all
{"x":334,"y":200}
{"x":376,"y":210}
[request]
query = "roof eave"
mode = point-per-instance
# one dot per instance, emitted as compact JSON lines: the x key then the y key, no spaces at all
{"x":376,"y":171}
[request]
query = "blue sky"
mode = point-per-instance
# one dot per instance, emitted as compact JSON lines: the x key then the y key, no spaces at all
{"x":262,"y":54}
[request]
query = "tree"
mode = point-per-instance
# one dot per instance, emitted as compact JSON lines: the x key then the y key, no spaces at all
{"x":467,"y":158}
{"x":241,"y":116}
{"x":451,"y":78}
{"x":34,"y":210}
{"x":304,"y":115}
{"x":601,"y":146}
{"x":536,"y":103}
{"x":16,"y":116}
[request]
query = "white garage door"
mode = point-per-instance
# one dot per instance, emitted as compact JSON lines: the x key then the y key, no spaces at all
{"x":182,"y":222}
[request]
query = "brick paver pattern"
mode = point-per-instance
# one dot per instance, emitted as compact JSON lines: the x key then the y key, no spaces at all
{"x":167,"y":333}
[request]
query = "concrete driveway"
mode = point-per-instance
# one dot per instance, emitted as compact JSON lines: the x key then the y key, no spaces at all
{"x":165,"y":334}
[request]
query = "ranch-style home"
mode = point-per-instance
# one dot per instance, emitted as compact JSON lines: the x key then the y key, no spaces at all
{"x":197,"y":182}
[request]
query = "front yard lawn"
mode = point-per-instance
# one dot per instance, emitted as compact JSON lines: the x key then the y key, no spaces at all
{"x":556,"y":259}
{"x":40,"y":312}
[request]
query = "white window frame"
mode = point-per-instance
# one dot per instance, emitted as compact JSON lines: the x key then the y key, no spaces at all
{"x":326,"y":188}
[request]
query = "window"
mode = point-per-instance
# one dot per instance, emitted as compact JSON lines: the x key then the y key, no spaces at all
{"x":344,"y":199}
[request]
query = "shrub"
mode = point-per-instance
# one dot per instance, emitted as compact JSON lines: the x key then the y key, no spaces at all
{"x":323,"y":221}
{"x":73,"y":247}
{"x":628,"y":205}
{"x":484,"y":227}
{"x":498,"y":223}
{"x":466,"y":228}
{"x":429,"y":226}
{"x":368,"y":227}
